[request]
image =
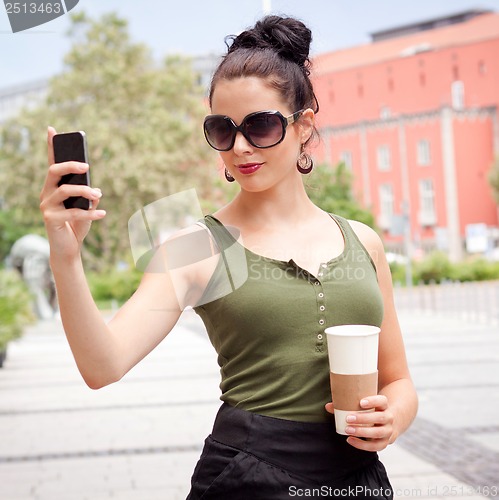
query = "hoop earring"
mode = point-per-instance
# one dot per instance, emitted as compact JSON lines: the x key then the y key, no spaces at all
{"x":304,"y":164}
{"x":228,"y":176}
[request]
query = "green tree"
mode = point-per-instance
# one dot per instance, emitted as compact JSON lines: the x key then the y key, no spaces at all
{"x":10,"y":232}
{"x":331,"y":188}
{"x":494,"y":179}
{"x":143,"y":124}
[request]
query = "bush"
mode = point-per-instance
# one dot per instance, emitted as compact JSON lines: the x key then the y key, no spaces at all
{"x":434,"y":268}
{"x":15,"y":307}
{"x":11,"y":229}
{"x":475,"y":270}
{"x":116,"y":286}
{"x":398,"y":272}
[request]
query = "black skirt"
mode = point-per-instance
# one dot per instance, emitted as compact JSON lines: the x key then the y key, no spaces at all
{"x":255,"y":457}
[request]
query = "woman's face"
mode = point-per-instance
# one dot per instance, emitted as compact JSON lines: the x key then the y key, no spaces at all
{"x":253,"y":168}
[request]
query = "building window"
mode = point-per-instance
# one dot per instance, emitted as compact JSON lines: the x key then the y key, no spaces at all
{"x":427,"y":214}
{"x":391,"y":85}
{"x":422,"y":79}
{"x":360,"y":90}
{"x":455,"y":72}
{"x":424,"y":152}
{"x":482,"y":67}
{"x":383,"y":157}
{"x":385,"y":206}
{"x":346,"y":158}
{"x":457,"y":94}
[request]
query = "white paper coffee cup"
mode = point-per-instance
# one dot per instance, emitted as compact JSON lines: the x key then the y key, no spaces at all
{"x":353,"y":363}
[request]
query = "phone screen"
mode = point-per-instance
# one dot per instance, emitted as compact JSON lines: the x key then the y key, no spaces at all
{"x":72,"y":146}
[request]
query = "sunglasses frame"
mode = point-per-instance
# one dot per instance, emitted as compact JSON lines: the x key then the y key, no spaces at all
{"x":285,"y":121}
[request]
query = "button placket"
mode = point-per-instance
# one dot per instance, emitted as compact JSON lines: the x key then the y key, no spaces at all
{"x":321,"y":310}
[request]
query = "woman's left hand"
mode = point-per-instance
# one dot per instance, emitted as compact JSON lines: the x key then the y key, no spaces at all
{"x":378,"y":435}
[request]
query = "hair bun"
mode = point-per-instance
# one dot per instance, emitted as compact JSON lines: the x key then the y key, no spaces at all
{"x":287,"y":36}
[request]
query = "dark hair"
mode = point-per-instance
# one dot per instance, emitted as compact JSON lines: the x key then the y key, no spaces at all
{"x":277,"y":50}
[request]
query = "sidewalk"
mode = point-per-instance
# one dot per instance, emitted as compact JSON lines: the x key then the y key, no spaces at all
{"x":140,"y":438}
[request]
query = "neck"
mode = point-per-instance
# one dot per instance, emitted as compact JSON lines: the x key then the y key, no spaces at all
{"x":283,"y":203}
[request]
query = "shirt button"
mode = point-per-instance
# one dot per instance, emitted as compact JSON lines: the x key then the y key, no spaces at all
{"x":321,"y":295}
{"x":317,"y":283}
{"x":322,"y":308}
{"x":320,"y":274}
{"x":319,"y":337}
{"x":321,"y":322}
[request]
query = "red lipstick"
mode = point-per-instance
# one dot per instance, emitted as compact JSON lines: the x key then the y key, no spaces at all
{"x":249,"y":168}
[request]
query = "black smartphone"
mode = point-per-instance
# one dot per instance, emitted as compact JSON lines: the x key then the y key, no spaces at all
{"x":72,"y":146}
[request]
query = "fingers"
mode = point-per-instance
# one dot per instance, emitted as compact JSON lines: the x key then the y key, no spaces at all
{"x":54,"y":211}
{"x":380,"y":402}
{"x":66,"y":191}
{"x":329,"y":407}
{"x":52,"y":195}
{"x":59,"y":217}
{"x":370,"y":431}
{"x":373,"y":446}
{"x":56,"y":171}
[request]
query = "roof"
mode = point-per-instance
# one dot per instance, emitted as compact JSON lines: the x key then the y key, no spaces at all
{"x":427,"y":24}
{"x":480,"y":28}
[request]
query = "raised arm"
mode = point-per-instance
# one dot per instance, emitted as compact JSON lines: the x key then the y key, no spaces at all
{"x":103,"y":352}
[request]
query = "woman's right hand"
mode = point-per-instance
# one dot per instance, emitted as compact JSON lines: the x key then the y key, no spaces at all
{"x":66,"y":228}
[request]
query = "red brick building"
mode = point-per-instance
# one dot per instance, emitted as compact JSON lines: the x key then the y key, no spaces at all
{"x":414,"y":114}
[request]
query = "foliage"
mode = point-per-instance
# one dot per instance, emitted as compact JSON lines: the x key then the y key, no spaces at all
{"x":114,"y":285}
{"x":494,"y":179}
{"x":143,"y":124}
{"x":15,"y":307}
{"x":437,"y":267}
{"x":398,"y":272}
{"x":331,"y":189}
{"x":11,"y":229}
{"x":478,"y":269}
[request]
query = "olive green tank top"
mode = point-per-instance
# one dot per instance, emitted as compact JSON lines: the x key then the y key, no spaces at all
{"x":269,"y":330}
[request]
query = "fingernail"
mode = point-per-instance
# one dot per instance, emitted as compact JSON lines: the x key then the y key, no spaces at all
{"x":351,"y":419}
{"x":100,"y":213}
{"x":97,"y":193}
{"x":83,"y":166}
{"x":350,"y":430}
{"x":364,"y":402}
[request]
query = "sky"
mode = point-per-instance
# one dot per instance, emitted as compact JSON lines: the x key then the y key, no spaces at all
{"x":198,"y":27}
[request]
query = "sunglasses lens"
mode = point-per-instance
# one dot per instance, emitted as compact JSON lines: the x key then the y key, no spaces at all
{"x":219,"y":132}
{"x":264,"y":129}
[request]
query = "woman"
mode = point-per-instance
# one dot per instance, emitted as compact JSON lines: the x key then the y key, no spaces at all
{"x":274,"y":435}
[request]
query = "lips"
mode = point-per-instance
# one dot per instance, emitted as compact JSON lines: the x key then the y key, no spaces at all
{"x":249,"y":168}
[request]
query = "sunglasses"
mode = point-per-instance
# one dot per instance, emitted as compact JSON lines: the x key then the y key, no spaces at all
{"x":262,"y":129}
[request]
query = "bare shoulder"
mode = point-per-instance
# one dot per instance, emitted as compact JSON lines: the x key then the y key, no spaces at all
{"x":370,"y":239}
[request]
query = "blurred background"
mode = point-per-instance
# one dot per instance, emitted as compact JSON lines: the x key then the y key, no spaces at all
{"x":408,"y":123}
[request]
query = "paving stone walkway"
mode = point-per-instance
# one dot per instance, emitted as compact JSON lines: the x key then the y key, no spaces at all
{"x":140,"y":438}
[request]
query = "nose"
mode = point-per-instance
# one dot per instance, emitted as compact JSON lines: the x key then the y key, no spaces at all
{"x":241,"y":144}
